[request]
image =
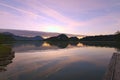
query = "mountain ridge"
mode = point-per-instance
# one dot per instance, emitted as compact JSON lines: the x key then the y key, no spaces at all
{"x":27,"y":33}
{"x":7,"y":36}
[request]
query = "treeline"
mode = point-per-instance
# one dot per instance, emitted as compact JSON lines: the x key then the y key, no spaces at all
{"x":117,"y":36}
{"x":5,"y":38}
{"x":114,"y":37}
{"x":99,"y":38}
{"x":62,"y":37}
{"x":8,"y":37}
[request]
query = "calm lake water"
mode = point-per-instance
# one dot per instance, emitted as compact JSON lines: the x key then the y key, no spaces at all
{"x":56,"y":60}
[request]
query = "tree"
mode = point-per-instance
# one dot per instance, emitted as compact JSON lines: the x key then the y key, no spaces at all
{"x":117,"y":36}
{"x":5,"y":38}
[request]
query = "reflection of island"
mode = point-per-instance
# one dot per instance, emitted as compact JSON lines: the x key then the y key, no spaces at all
{"x":74,"y":43}
{"x":24,"y":46}
{"x":60,"y":44}
{"x":6,"y":56}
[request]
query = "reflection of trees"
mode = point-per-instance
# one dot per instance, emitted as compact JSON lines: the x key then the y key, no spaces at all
{"x":118,"y":47}
{"x":60,"y":44}
{"x":117,"y":36}
{"x":6,"y":56}
{"x":35,"y":43}
{"x":64,"y":44}
{"x":102,"y":44}
{"x":73,"y":43}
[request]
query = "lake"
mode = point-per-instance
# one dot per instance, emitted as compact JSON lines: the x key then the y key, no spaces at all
{"x":34,"y":60}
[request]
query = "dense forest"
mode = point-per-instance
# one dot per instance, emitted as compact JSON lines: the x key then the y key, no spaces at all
{"x":114,"y":37}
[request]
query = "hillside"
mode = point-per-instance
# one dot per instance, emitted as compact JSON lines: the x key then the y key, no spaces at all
{"x":115,"y":37}
{"x":7,"y":36}
{"x":34,"y":33}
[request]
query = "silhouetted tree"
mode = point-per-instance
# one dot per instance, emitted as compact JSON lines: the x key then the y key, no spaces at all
{"x":117,"y":36}
{"x":73,"y":39}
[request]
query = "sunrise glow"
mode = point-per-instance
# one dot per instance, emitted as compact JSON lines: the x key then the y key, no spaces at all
{"x":53,"y":29}
{"x":87,"y":17}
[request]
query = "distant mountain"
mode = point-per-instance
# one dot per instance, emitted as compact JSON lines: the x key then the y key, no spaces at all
{"x":16,"y":37}
{"x":62,"y":37}
{"x":62,"y":41}
{"x":28,"y":38}
{"x":26,"y":33}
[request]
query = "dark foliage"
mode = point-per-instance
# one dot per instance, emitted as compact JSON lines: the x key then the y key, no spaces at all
{"x":112,"y":44}
{"x":61,"y":37}
{"x":6,"y":56}
{"x":117,"y":36}
{"x":73,"y":43}
{"x":5,"y":37}
{"x":73,"y":39}
{"x":60,"y":44}
{"x":99,"y":38}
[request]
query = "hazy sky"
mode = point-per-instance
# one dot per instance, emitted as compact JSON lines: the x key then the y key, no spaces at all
{"x":88,"y":17}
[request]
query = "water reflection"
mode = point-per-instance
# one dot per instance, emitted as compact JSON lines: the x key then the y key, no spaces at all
{"x":109,"y":44}
{"x":74,"y":43}
{"x":59,"y":44}
{"x":25,"y":43}
{"x":6,"y":57}
{"x":56,"y":60}
{"x":25,"y":46}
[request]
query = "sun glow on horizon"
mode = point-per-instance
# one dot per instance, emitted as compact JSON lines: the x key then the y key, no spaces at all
{"x":53,"y":29}
{"x":46,"y":44}
{"x":84,"y":17}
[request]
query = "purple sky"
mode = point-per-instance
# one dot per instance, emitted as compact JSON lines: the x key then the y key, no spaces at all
{"x":87,"y":17}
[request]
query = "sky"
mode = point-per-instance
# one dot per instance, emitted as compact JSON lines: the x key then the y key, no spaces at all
{"x":85,"y":17}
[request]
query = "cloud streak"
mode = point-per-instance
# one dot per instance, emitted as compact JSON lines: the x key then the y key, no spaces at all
{"x":23,"y":11}
{"x":59,"y":16}
{"x":40,"y":8}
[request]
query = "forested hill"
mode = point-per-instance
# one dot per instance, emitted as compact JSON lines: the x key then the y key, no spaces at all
{"x":6,"y":36}
{"x":115,"y":37}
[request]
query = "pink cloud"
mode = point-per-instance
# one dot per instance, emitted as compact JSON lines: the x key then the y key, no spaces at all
{"x":23,"y":11}
{"x":38,"y":15}
{"x":37,"y":7}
